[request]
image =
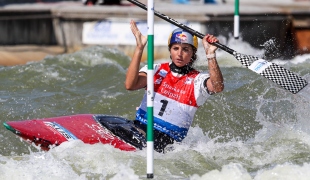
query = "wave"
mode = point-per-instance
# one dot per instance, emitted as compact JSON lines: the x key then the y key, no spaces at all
{"x":251,"y":130}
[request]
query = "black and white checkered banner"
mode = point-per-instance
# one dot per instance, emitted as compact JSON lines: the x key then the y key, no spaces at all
{"x":277,"y":74}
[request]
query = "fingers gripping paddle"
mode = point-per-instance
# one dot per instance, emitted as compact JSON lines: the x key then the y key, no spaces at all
{"x":283,"y":77}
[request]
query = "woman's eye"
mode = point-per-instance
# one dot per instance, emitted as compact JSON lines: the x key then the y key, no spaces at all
{"x":186,"y":50}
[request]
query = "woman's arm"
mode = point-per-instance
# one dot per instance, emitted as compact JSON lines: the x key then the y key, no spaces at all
{"x":134,"y":79}
{"x":215,"y":83}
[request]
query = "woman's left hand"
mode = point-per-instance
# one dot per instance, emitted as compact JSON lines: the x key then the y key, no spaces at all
{"x":207,"y":43}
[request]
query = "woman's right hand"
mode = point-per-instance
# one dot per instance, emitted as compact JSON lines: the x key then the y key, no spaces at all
{"x":140,"y":39}
{"x":134,"y":79}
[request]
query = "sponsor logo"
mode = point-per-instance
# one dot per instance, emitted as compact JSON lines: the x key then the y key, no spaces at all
{"x":163,"y":73}
{"x":259,"y":66}
{"x":171,"y":91}
{"x":58,"y":128}
{"x":181,"y":37}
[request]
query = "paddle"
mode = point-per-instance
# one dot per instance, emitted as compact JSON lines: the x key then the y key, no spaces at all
{"x":283,"y":77}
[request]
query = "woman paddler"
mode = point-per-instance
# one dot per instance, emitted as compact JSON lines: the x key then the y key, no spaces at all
{"x":179,"y":89}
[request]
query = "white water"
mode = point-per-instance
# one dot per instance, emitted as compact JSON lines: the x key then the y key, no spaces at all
{"x":270,"y":154}
{"x":76,"y":160}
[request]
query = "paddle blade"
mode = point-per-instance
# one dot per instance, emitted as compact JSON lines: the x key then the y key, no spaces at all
{"x":274,"y":72}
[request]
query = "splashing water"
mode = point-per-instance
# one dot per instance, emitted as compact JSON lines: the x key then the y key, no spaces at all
{"x":253,"y":130}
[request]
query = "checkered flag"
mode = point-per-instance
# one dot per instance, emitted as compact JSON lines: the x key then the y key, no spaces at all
{"x":275,"y":73}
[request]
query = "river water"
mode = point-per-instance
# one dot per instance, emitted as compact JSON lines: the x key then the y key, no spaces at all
{"x":252,"y":130}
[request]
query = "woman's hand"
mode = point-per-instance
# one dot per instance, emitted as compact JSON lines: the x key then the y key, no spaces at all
{"x":207,"y":43}
{"x":134,"y":79}
{"x":140,"y":39}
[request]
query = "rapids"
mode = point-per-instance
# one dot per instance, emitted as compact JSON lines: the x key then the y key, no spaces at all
{"x":252,"y":130}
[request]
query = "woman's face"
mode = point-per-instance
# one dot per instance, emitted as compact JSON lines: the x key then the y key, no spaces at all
{"x":181,"y":54}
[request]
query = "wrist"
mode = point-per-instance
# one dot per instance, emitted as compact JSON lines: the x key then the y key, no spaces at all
{"x":139,"y":49}
{"x":210,"y":55}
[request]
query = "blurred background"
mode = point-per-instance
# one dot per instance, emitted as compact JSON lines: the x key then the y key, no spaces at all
{"x":32,"y":29}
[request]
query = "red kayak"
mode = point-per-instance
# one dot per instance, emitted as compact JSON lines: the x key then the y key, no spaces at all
{"x":89,"y":128}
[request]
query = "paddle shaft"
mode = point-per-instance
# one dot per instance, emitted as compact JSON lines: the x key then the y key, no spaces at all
{"x":180,"y":25}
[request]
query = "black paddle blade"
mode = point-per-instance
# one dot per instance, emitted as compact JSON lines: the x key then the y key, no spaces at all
{"x":273,"y":72}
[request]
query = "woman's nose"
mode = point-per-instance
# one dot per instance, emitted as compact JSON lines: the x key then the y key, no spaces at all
{"x":180,"y":52}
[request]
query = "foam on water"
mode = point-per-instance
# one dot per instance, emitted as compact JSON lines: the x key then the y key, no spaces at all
{"x":199,"y":156}
{"x":253,"y":130}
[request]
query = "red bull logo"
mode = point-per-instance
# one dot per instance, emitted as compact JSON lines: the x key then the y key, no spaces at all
{"x":181,"y":37}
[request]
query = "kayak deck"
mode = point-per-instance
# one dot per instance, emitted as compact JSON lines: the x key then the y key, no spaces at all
{"x":48,"y":132}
